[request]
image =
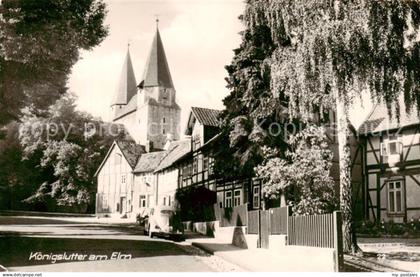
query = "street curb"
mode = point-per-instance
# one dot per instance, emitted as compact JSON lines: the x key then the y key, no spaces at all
{"x":202,"y":247}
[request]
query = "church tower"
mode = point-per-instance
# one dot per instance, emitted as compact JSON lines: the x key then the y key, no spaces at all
{"x":126,"y":89}
{"x":158,"y":114}
{"x":148,"y":111}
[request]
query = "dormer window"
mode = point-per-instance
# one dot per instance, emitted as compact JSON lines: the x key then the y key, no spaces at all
{"x":391,"y":151}
{"x":391,"y":147}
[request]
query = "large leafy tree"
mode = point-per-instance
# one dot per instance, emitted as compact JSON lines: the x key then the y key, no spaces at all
{"x":328,"y":52}
{"x":250,"y":109}
{"x":70,"y":144}
{"x":39,"y":43}
{"x":303,"y":176}
{"x":18,"y":178}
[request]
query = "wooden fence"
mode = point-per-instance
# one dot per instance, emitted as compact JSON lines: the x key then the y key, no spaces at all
{"x":278,"y":220}
{"x":322,"y":231}
{"x":253,"y":222}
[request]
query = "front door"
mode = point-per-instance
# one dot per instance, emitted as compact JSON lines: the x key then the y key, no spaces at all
{"x":123,"y":205}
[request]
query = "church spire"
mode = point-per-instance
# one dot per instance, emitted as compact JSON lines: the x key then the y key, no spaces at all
{"x":127,"y":87}
{"x":156,"y":72}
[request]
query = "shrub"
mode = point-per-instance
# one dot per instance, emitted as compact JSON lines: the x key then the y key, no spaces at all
{"x":390,"y":228}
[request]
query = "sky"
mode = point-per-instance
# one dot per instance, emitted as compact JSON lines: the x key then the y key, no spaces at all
{"x":198,"y":36}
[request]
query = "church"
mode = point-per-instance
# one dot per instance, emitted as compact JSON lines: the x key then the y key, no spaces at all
{"x":148,"y":110}
{"x":126,"y":183}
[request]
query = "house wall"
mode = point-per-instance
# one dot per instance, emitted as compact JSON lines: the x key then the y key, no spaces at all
{"x":379,"y":174}
{"x":198,"y":133}
{"x":167,"y":185}
{"x":144,"y":186}
{"x":112,"y":186}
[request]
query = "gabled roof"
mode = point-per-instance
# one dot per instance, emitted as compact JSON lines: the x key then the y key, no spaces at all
{"x":127,"y":86}
{"x":131,"y":151}
{"x":149,"y":162}
{"x":176,"y":151}
{"x":157,"y":72}
{"x":205,"y":116}
{"x":379,"y":120}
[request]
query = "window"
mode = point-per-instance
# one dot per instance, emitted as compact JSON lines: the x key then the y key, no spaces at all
{"x":395,"y":197}
{"x":123,"y":179}
{"x":169,"y":200}
{"x":256,"y":197}
{"x":163,"y":120}
{"x":205,"y":163}
{"x":211,"y":164}
{"x":163,"y":131}
{"x":195,"y":165}
{"x":237,"y":197}
{"x":391,"y":147}
{"x":196,"y":142}
{"x":228,"y":199}
{"x":142,"y":201}
{"x":189,"y":170}
{"x":164,"y":201}
{"x":164,"y":94}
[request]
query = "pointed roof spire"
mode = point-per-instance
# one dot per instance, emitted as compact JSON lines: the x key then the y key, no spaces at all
{"x":157,"y":72}
{"x":157,"y":21}
{"x":127,"y":86}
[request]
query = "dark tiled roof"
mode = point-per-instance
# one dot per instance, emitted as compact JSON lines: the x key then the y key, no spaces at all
{"x":131,"y":151}
{"x":379,"y":120}
{"x":207,"y":117}
{"x":149,"y":162}
{"x":127,"y":87}
{"x":177,"y":150}
{"x":157,"y":72}
{"x":126,"y":109}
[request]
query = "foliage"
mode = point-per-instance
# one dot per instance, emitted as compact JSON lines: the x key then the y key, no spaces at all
{"x":387,"y":229}
{"x":304,"y":176}
{"x":39,"y":44}
{"x":250,"y":108}
{"x":18,"y":178}
{"x":72,"y":145}
{"x":326,"y":53}
{"x":196,"y":203}
{"x":348,"y":46}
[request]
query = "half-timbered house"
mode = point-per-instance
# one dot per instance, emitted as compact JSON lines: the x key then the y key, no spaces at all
{"x":196,"y":168}
{"x":144,"y":192}
{"x":115,"y":178}
{"x":392,"y":165}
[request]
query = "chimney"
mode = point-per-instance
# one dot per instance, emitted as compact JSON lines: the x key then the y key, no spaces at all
{"x":149,"y":146}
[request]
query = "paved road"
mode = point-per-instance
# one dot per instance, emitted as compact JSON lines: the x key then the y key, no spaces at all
{"x":33,"y":243}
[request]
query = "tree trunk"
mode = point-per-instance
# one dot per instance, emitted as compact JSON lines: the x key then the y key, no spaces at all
{"x":343,"y":136}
